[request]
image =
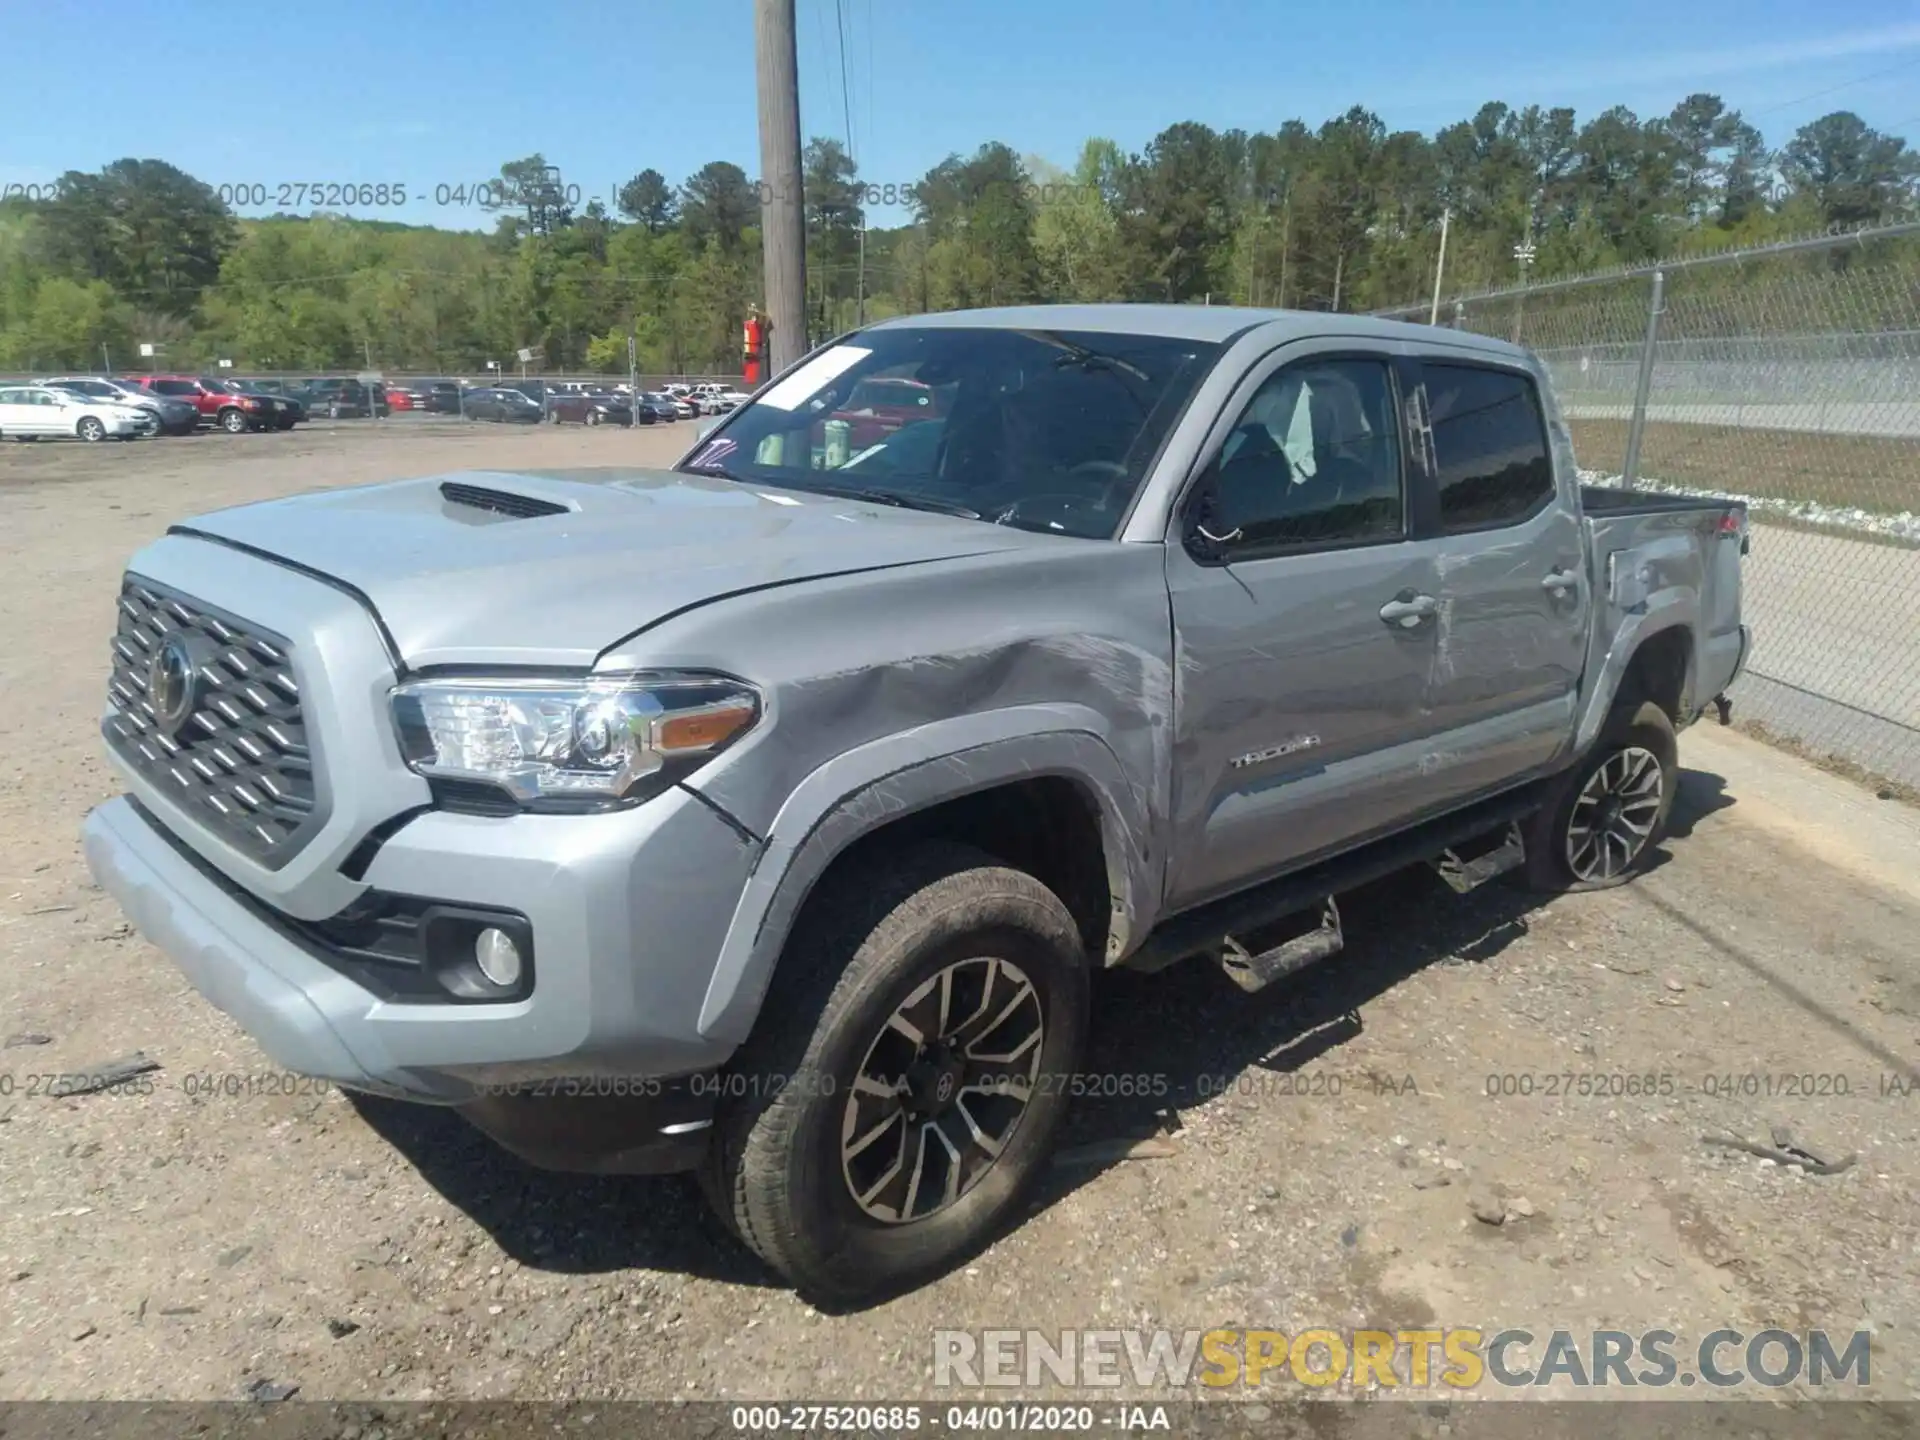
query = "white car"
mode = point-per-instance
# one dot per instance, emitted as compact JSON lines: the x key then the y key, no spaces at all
{"x":712,"y":398}
{"x":28,"y":412}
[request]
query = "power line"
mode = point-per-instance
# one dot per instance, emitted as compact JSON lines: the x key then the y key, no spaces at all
{"x":846,"y":94}
{"x":1834,"y":89}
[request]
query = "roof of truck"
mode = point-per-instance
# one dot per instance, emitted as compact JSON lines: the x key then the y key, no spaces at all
{"x":1217,"y":323}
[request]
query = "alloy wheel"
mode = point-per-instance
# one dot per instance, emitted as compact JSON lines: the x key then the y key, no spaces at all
{"x":942,"y":1089}
{"x":1613,"y":817}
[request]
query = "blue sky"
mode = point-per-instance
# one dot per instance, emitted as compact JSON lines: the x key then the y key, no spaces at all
{"x":436,"y":93}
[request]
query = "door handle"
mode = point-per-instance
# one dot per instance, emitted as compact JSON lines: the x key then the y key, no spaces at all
{"x":1558,"y":582}
{"x":1407,"y":609}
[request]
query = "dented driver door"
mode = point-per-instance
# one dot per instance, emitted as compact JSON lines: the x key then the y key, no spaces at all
{"x":1304,"y":607}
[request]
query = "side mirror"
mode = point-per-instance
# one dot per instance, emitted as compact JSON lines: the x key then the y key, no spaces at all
{"x":1205,"y":539}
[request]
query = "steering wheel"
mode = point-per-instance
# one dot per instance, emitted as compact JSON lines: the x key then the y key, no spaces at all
{"x":1115,"y":472}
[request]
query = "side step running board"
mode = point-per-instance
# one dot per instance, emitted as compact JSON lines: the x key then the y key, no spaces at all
{"x":1464,"y":875}
{"x":1203,"y":930}
{"x":1256,"y":972}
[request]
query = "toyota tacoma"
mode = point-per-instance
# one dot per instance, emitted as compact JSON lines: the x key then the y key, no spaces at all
{"x":766,"y":816}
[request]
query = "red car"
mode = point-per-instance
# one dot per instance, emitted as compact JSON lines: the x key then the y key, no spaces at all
{"x":400,"y":399}
{"x":877,"y":408}
{"x":221,"y":403}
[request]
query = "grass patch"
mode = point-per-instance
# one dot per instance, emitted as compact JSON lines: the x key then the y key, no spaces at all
{"x":1877,"y":473}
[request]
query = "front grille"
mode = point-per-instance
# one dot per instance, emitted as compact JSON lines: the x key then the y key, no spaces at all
{"x":238,"y":760}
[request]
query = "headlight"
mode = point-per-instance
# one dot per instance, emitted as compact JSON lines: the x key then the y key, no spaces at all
{"x":590,"y":743}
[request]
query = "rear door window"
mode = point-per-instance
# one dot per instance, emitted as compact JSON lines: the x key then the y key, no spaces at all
{"x":1490,"y":446}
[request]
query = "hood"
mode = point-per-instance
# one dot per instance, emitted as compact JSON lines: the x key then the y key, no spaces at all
{"x":456,"y":584}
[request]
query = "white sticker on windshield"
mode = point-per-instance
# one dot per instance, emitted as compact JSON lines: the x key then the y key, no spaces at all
{"x":791,"y":392}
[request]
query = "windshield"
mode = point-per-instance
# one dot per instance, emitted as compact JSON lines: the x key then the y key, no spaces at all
{"x":1044,"y":430}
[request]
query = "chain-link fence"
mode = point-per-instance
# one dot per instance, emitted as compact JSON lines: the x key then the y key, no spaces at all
{"x":1788,"y":377}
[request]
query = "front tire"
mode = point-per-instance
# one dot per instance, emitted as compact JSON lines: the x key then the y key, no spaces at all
{"x":1610,"y":811}
{"x":90,"y":430}
{"x":903,"y":1085}
{"x":234,"y":422}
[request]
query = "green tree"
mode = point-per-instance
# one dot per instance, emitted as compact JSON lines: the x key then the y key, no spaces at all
{"x":1076,"y":236}
{"x":718,"y":203}
{"x":149,"y":230}
{"x":647,"y":200}
{"x":1857,"y":175}
{"x":833,"y":215}
{"x":978,"y":214}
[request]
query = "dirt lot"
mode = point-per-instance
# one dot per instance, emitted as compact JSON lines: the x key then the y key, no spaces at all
{"x":1321,"y":1149}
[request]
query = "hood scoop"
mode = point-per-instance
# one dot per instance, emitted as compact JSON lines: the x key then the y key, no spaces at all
{"x":500,"y":502}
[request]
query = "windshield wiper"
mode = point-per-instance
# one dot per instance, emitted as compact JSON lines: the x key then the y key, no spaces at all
{"x":891,"y":497}
{"x":719,"y":472}
{"x":1085,"y":357}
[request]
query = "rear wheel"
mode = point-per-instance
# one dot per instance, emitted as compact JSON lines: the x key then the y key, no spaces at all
{"x":1611,"y":809}
{"x":904,"y":1083}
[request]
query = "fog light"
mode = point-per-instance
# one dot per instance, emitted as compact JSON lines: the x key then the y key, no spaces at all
{"x":498,"y":957}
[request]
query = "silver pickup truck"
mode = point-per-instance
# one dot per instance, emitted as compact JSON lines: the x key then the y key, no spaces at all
{"x":766,"y":816}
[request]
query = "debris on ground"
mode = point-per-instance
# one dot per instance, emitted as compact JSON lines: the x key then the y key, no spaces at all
{"x":1110,"y":1152}
{"x":1783,"y":1152}
{"x":104,"y":1077}
{"x":1488,"y":1205}
{"x":270,"y":1391}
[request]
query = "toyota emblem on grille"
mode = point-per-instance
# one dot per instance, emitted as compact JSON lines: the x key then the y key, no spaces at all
{"x":170,"y":685}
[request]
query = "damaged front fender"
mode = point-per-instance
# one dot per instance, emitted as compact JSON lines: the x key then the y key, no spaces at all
{"x":864,"y":789}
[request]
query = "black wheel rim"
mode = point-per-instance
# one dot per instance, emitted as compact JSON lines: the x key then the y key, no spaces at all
{"x":1613,"y":816}
{"x":942,"y":1089}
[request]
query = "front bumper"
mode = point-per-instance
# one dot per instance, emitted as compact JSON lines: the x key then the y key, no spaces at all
{"x":628,"y":912}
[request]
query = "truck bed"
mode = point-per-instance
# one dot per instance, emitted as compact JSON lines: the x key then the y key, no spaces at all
{"x":1610,"y":501}
{"x":1661,"y":561}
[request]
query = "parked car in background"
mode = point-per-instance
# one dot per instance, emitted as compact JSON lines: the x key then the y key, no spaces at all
{"x":173,"y":416}
{"x":221,"y":403}
{"x":343,"y":399}
{"x":535,"y":390}
{"x":42,"y":412}
{"x":589,"y":407}
{"x":657,"y":405}
{"x":512,"y":407}
{"x":406,"y":397}
{"x":289,"y":409}
{"x":712,"y":398}
{"x":440,"y":397}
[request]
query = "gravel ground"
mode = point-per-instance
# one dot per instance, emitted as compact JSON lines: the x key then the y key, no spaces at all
{"x":1324,"y":1154}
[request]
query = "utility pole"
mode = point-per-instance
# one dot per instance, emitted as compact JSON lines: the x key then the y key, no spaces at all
{"x":860,"y":284}
{"x":1286,"y":244}
{"x":782,"y":218}
{"x":1440,"y":265}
